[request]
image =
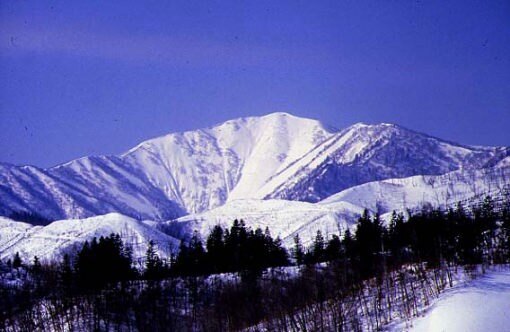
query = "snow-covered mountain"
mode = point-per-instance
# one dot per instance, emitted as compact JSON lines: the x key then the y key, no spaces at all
{"x":203,"y":169}
{"x":284,"y":218}
{"x":84,"y":188}
{"x":65,"y":236}
{"x":167,"y":176}
{"x":293,"y":175}
{"x":364,"y":153}
{"x":278,"y":156}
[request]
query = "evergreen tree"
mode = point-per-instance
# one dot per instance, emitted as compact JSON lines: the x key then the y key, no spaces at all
{"x":298,"y":253}
{"x":36,"y":267}
{"x":102,"y":262}
{"x":349,"y":245}
{"x":234,"y":250}
{"x":154,"y":267}
{"x":277,"y":253}
{"x":196,"y":254}
{"x":191,"y":258}
{"x":16,"y":262}
{"x":333,"y":248}
{"x":369,"y":243}
{"x":317,"y":253}
{"x":215,"y":245}
{"x":397,"y":236}
{"x":66,"y":273}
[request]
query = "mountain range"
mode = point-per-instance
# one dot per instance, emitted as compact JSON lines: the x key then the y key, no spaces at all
{"x":292,"y":174}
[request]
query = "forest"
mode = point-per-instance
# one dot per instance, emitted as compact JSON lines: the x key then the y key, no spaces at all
{"x":244,"y":279}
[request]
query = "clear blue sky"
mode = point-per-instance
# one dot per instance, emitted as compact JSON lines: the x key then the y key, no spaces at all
{"x":97,"y":77}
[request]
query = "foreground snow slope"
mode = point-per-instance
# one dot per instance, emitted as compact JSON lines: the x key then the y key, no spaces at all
{"x":277,"y":156}
{"x":480,"y":305}
{"x":62,"y":236}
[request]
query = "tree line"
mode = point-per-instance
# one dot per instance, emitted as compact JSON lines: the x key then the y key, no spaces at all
{"x":456,"y":237}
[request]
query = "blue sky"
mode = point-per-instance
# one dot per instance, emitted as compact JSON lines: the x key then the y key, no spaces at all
{"x":96,"y":77}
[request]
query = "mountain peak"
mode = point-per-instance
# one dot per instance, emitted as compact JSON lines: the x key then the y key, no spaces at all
{"x":280,"y":117}
{"x":279,"y":114}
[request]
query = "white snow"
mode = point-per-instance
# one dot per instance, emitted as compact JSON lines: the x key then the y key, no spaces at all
{"x":205,"y":168}
{"x":417,"y":191}
{"x":284,"y":218}
{"x":480,"y":305}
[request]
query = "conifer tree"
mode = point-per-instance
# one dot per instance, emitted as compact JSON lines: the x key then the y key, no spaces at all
{"x":36,"y":267}
{"x":215,"y":245}
{"x":298,"y":252}
{"x":153,"y":264}
{"x":16,"y":262}
{"x":66,"y":273}
{"x":333,"y":248}
{"x":318,"y":248}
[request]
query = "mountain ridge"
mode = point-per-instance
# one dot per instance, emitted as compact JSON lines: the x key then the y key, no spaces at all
{"x":276,"y":156}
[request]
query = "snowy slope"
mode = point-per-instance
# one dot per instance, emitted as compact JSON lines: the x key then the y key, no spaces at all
{"x":87,"y":187}
{"x":203,"y":169}
{"x":479,"y":305}
{"x":62,"y":236}
{"x":417,"y":191}
{"x":284,"y":218}
{"x":277,"y":156}
{"x":12,"y":232}
{"x":340,"y":211}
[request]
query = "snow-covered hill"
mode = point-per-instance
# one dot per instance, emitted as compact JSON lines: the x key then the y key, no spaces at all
{"x":65,"y":236}
{"x":84,"y":188}
{"x":278,"y":156}
{"x":421,"y":190}
{"x":283,"y":218}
